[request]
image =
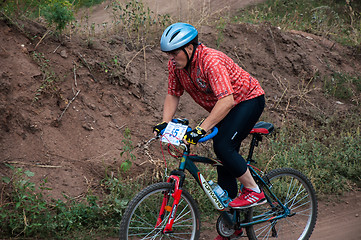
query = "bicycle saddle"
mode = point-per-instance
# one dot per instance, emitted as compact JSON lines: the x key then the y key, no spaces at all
{"x":263,"y":128}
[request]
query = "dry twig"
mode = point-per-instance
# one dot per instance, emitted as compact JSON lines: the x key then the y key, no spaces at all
{"x":239,"y":60}
{"x":74,"y":69}
{"x":87,"y":66}
{"x":145,"y":67}
{"x":67,"y":106}
{"x":143,"y":49}
{"x":57,"y":48}
{"x":46,"y":33}
{"x":33,"y":165}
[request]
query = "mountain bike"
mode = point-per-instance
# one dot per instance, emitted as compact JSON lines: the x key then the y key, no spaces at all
{"x":167,"y":210}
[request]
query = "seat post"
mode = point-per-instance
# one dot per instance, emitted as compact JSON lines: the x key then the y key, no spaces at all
{"x":254,"y":143}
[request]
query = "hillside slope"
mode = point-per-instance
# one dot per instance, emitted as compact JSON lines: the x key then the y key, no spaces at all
{"x":64,"y":107}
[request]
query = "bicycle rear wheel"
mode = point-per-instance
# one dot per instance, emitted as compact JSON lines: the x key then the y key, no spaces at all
{"x":295,"y":191}
{"x":140,"y":218}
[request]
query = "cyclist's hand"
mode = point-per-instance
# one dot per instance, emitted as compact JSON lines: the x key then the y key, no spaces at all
{"x":157,"y":129}
{"x":193,"y":136}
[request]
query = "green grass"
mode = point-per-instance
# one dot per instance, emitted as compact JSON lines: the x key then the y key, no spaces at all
{"x":343,"y":86}
{"x":336,"y":19}
{"x":328,"y":154}
{"x":57,"y":13}
{"x":27,"y":212}
{"x":86,"y":3}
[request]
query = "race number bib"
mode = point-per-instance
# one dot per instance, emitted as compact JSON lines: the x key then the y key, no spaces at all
{"x":174,"y":132}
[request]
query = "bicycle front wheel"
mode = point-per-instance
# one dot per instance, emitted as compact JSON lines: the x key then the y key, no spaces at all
{"x":140,"y":218}
{"x":296,"y":192}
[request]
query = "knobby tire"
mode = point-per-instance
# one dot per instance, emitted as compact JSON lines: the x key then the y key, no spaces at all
{"x":294,"y":189}
{"x":141,"y":215}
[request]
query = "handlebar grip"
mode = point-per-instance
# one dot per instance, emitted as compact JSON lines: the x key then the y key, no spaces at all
{"x":209,"y":136}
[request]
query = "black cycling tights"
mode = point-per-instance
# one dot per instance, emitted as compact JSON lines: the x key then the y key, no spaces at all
{"x":232,"y":130}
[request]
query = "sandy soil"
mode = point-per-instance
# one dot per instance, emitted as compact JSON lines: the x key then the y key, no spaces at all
{"x":71,"y":138}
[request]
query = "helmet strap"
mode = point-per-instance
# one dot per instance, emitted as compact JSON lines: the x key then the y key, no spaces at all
{"x":189,"y":59}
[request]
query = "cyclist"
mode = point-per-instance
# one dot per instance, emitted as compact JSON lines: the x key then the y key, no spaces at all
{"x":233,"y":98}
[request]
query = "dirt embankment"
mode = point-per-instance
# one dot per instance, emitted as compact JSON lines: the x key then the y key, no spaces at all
{"x":73,"y":131}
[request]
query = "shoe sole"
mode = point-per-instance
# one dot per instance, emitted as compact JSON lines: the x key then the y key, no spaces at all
{"x":263,"y":201}
{"x":236,"y":237}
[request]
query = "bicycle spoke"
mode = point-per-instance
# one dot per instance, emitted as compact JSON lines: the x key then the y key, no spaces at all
{"x":144,"y":217}
{"x":308,"y":202}
{"x":297,"y":201}
{"x":294,"y":191}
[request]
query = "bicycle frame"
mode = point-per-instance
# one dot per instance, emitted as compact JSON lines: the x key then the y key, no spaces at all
{"x":178,"y":176}
{"x":263,"y":183}
{"x":187,"y":163}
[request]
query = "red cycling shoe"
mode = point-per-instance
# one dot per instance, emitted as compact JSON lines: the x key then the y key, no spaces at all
{"x":237,"y":234}
{"x":247,"y":199}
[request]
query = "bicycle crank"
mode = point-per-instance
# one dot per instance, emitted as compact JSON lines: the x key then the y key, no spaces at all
{"x":225,"y":225}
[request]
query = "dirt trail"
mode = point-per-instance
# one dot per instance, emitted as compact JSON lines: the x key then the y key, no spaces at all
{"x":340,"y":218}
{"x":73,"y":154}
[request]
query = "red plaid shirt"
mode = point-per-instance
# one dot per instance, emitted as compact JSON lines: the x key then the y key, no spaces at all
{"x":213,"y":76}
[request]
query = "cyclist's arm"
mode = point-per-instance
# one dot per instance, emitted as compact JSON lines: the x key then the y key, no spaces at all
{"x":219,"y":111}
{"x":170,"y":107}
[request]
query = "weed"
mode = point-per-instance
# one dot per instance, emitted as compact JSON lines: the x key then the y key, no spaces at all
{"x":25,"y":211}
{"x":339,"y":20}
{"x":221,"y":25}
{"x":326,"y":155}
{"x":127,"y":149}
{"x":343,"y":86}
{"x":138,"y":21}
{"x":58,"y":13}
{"x":48,"y":84}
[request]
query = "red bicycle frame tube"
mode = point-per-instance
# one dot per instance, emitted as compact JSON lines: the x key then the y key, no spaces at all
{"x":176,"y":196}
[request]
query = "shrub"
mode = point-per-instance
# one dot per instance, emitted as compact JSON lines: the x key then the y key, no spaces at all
{"x":58,"y":13}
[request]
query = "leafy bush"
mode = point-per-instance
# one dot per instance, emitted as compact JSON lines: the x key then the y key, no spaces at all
{"x":58,"y":13}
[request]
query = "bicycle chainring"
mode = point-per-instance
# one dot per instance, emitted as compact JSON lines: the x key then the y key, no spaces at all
{"x":223,"y":227}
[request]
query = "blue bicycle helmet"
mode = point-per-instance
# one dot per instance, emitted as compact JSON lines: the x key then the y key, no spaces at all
{"x":177,"y":36}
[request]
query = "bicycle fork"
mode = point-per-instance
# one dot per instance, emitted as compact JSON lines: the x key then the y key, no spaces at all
{"x":165,"y":208}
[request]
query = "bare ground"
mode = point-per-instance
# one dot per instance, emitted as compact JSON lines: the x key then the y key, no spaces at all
{"x":71,"y":138}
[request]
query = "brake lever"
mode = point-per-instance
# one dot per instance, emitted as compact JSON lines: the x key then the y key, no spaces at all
{"x":151,"y":140}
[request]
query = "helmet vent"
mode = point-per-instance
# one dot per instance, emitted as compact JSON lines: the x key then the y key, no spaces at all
{"x":168,"y":31}
{"x":174,"y":35}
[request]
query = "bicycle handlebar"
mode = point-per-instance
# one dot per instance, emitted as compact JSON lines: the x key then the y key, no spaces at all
{"x":186,"y":122}
{"x":209,"y":136}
